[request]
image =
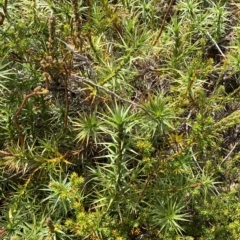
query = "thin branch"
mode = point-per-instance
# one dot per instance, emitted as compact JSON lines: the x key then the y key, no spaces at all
{"x":4,"y":14}
{"x":2,"y":232}
{"x":5,"y":7}
{"x":2,"y":17}
{"x":37,"y":91}
{"x":230,"y":152}
{"x":163,"y":23}
{"x":117,"y":96}
{"x":215,"y":43}
{"x":66,"y":98}
{"x":12,"y":176}
{"x":8,"y":154}
{"x":195,"y":160}
{"x":73,"y":51}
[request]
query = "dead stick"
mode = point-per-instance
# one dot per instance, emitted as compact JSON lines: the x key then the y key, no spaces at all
{"x":19,"y":128}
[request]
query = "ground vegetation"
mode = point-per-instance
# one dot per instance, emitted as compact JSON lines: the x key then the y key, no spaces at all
{"x":119,"y":119}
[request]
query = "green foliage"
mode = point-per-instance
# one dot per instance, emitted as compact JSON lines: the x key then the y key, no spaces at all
{"x":167,"y":214}
{"x":119,"y":119}
{"x":87,"y":128}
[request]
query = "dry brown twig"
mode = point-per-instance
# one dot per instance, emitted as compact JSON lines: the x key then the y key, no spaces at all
{"x":163,"y":23}
{"x":37,"y":91}
{"x":4,"y":13}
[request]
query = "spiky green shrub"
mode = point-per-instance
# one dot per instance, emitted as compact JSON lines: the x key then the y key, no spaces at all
{"x":119,"y":119}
